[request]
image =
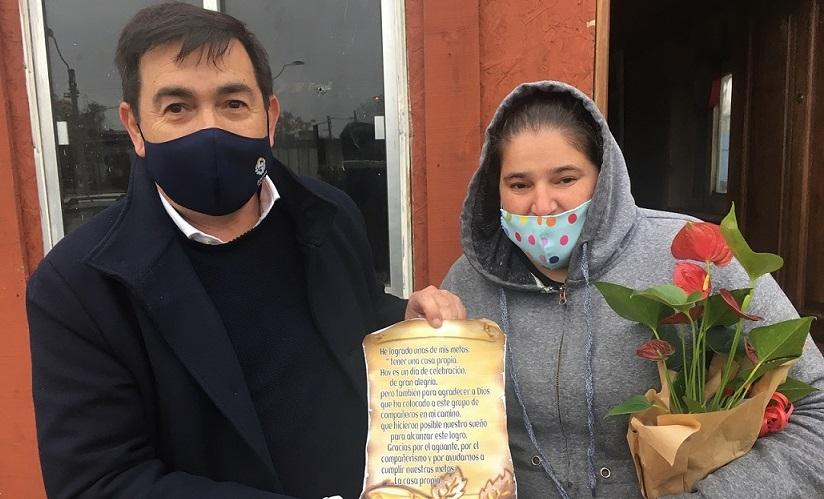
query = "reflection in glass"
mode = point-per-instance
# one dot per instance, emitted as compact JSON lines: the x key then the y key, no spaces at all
{"x":93,"y":150}
{"x":327,"y":66}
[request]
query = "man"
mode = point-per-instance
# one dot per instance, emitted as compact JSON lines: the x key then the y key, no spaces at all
{"x":202,"y":338}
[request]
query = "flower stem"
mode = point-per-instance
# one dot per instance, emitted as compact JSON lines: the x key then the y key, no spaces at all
{"x":675,"y":404}
{"x":736,"y":397}
{"x":702,"y":343}
{"x":691,"y":381}
{"x":739,"y":328}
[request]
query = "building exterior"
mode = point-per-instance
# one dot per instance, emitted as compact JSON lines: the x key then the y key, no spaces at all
{"x":402,"y":136}
{"x":388,"y":100}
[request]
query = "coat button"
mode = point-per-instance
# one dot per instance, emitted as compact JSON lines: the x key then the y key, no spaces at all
{"x":536,"y":461}
{"x":605,"y":472}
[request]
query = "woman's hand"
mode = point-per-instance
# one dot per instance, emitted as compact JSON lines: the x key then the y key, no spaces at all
{"x":436,"y":305}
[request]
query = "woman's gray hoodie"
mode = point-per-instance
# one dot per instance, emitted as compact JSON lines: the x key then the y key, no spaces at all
{"x":550,"y":341}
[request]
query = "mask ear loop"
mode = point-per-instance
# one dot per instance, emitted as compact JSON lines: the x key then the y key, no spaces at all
{"x":266,"y":105}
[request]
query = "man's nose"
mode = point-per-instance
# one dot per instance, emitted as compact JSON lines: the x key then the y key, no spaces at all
{"x":208,"y":118}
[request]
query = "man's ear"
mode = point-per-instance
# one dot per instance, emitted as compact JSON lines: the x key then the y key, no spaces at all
{"x":273,"y":112}
{"x":129,"y":120}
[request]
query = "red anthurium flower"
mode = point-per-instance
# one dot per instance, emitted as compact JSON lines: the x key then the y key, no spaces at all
{"x":655,"y":350}
{"x":776,"y":415}
{"x":703,"y":242}
{"x":691,"y":278}
{"x":729,"y":299}
{"x":681,"y":318}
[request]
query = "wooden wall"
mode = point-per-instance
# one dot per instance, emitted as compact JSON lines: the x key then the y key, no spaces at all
{"x":20,"y":250}
{"x":464,"y":57}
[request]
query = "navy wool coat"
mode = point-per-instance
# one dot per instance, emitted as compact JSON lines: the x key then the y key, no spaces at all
{"x":137,"y":389}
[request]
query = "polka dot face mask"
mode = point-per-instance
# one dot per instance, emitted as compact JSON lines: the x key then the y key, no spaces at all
{"x":548,"y":240}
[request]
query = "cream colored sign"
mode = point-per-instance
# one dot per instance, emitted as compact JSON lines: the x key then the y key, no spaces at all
{"x":437,"y":420}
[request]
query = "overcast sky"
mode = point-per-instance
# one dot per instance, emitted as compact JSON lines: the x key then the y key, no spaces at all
{"x":339,"y":41}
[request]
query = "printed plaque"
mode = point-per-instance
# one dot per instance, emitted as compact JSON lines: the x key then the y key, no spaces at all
{"x":437,"y":417}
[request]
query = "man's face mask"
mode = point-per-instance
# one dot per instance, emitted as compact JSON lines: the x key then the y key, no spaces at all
{"x":210,"y":171}
{"x":547,"y":240}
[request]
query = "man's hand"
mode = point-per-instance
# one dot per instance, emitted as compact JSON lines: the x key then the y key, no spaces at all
{"x":436,"y":305}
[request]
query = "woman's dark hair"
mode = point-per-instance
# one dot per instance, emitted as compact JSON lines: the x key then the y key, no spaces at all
{"x":194,"y":28}
{"x":540,"y":111}
{"x":555,"y":111}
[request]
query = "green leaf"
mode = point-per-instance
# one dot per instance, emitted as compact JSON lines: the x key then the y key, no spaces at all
{"x":763,"y":368}
{"x":756,"y":264}
{"x":782,"y":339}
{"x":630,"y":405}
{"x":633,"y":308}
{"x":794,"y":389}
{"x":671,"y":335}
{"x":670,"y":295}
{"x":720,"y":338}
{"x":692,"y":406}
{"x":717,"y":313}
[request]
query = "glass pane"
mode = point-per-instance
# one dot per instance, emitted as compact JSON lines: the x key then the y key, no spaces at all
{"x":93,"y":150}
{"x":327,"y":68}
{"x":723,"y":138}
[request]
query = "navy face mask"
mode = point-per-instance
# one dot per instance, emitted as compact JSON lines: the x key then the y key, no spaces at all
{"x":210,"y":171}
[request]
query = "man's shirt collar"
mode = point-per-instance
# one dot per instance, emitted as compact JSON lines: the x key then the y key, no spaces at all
{"x":268,"y":195}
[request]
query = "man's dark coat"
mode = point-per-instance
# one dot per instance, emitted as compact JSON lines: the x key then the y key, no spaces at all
{"x":137,"y":389}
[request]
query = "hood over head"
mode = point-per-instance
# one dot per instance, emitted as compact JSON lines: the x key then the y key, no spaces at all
{"x":610,"y":218}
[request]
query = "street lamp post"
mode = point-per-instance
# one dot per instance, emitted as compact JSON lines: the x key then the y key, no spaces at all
{"x":283,"y":68}
{"x":73,"y":92}
{"x":81,"y":174}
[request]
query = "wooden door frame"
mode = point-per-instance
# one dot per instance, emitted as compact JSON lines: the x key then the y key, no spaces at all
{"x":601,"y":77}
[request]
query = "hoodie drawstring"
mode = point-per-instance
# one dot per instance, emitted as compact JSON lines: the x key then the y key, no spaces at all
{"x":589,"y":388}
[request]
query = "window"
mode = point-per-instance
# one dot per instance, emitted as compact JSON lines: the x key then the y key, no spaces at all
{"x":341,"y":121}
{"x":721,"y":136}
{"x":327,"y":69}
{"x":93,"y":151}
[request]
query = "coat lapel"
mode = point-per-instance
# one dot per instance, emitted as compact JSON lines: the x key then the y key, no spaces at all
{"x":185,"y":315}
{"x":330,"y":276}
{"x":334,"y":312}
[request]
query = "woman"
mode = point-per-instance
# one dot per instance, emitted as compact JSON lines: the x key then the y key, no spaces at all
{"x":548,"y":212}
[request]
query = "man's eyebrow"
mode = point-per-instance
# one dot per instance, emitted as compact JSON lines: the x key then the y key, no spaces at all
{"x":185,"y":93}
{"x":234,"y":88}
{"x":173,"y":91}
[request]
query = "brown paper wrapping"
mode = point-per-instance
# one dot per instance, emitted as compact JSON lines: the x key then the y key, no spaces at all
{"x":672,"y":452}
{"x":435,"y":394}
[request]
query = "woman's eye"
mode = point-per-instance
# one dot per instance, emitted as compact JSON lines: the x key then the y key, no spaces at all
{"x":518,"y":186}
{"x":568,"y":180}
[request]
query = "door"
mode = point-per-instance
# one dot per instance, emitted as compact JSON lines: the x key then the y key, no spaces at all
{"x":777,"y":147}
